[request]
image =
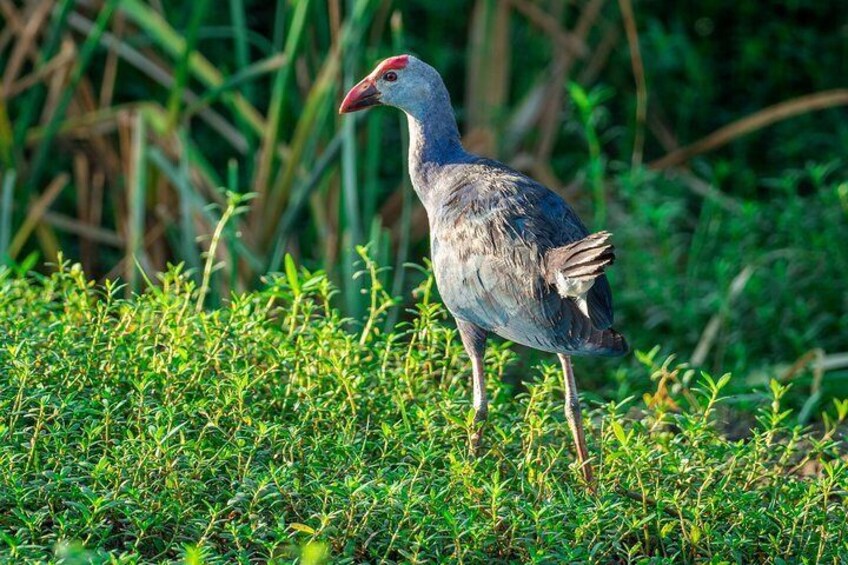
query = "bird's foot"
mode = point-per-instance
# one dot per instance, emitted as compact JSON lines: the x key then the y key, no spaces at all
{"x":476,"y":441}
{"x":588,"y":475}
{"x":476,"y":438}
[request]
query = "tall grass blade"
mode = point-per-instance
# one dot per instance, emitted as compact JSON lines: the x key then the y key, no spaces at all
{"x":197,"y":205}
{"x":299,"y":198}
{"x":242,"y":55}
{"x":405,"y":225}
{"x":152,"y":68}
{"x":271,"y":132}
{"x":639,"y":76}
{"x":760,"y":119}
{"x":231,"y":229}
{"x":488,"y":71}
{"x":163,"y":35}
{"x":586,"y":104}
{"x":7,"y":140}
{"x":182,"y":72}
{"x":55,"y":122}
{"x":371,"y":166}
{"x":352,"y":234}
{"x":240,"y":31}
{"x":352,"y":224}
{"x":136,"y":202}
{"x":188,"y":239}
{"x":317,"y":109}
{"x":35,"y":213}
{"x":31,"y":105}
{"x":240,"y":79}
{"x":6,"y":203}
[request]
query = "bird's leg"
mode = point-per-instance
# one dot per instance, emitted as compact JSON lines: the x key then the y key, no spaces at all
{"x":575,"y":420}
{"x":474,"y":340}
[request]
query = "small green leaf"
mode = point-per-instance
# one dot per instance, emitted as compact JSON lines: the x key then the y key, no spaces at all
{"x":695,"y":534}
{"x":841,"y":408}
{"x":619,"y":432}
{"x":303,"y":528}
{"x":578,"y":95}
{"x":646,"y":359}
{"x":710,"y":382}
{"x":291,"y":274}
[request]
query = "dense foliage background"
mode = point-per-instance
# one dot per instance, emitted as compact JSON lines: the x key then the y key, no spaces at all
{"x":709,"y":136}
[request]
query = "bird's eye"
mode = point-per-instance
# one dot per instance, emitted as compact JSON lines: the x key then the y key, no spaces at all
{"x":390,"y":76}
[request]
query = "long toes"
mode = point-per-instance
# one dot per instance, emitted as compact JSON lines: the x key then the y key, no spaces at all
{"x":588,"y":475}
{"x":476,"y":439}
{"x":476,"y":442}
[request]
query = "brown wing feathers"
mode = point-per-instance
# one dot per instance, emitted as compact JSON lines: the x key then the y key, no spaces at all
{"x":584,"y":259}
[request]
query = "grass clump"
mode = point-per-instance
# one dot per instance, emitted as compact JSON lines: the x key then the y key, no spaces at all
{"x":268,"y":429}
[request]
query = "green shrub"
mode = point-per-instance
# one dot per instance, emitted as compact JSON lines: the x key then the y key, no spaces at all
{"x":273,"y":428}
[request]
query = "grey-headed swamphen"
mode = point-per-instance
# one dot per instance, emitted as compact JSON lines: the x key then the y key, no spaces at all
{"x":509,"y":255}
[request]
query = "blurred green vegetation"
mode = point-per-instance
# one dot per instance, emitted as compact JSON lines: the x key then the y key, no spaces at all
{"x":124,"y":122}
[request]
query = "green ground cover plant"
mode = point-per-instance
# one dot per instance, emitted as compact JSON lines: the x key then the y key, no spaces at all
{"x":274,"y":429}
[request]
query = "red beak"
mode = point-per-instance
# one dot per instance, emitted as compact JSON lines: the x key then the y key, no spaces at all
{"x":363,"y":95}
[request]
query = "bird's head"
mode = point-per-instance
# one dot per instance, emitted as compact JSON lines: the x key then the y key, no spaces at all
{"x":401,"y":81}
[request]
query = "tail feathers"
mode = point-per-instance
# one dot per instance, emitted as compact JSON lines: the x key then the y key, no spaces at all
{"x":583,"y":260}
{"x":608,"y":343}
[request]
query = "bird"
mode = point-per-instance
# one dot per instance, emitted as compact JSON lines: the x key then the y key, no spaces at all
{"x":510,"y":257}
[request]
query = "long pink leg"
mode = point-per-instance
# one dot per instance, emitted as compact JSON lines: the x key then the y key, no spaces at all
{"x":474,"y":340}
{"x":575,"y":420}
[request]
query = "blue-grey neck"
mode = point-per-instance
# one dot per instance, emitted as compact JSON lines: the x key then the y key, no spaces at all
{"x":434,"y":142}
